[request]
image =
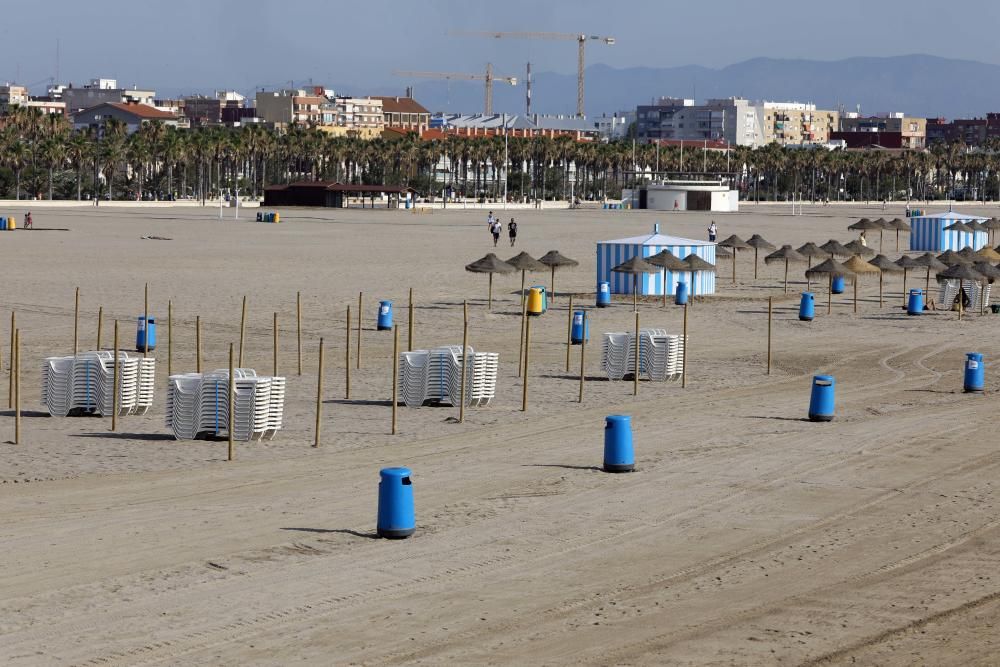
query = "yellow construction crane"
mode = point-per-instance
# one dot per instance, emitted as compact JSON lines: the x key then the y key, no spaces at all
{"x":580,"y":39}
{"x":489,"y":78}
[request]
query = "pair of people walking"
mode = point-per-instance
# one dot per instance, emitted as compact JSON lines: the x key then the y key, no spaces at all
{"x":496,"y":228}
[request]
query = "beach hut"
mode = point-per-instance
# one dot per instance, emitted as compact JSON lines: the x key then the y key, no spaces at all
{"x":929,"y":232}
{"x":616,"y":252}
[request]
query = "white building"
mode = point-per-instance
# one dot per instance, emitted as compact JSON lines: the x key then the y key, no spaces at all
{"x":685,"y":195}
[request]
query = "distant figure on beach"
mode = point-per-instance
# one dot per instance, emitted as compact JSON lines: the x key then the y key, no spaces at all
{"x":490,"y":220}
{"x":27,"y":220}
{"x":496,"y":229}
{"x":713,"y":232}
{"x":512,"y":231}
{"x":907,"y":210}
{"x":863,"y":239}
{"x":884,"y":202}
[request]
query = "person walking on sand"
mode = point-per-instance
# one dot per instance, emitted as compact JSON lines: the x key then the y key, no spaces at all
{"x":490,"y":220}
{"x":28,"y":221}
{"x":863,"y":239}
{"x":496,"y":232}
{"x":713,"y":232}
{"x":512,"y":232}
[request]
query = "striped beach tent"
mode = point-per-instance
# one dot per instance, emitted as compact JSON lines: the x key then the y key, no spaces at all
{"x":612,"y":253}
{"x":929,"y":234}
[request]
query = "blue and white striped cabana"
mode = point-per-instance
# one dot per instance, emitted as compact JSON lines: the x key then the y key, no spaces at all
{"x":929,"y":234}
{"x":612,"y":253}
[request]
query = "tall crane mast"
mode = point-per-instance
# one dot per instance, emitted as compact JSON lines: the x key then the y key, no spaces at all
{"x":488,"y":77}
{"x":579,"y":38}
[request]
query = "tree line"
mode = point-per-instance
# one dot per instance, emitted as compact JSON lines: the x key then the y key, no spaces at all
{"x":42,"y":156}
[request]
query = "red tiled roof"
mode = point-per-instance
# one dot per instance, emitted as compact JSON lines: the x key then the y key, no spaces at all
{"x":400,"y":105}
{"x":141,"y":110}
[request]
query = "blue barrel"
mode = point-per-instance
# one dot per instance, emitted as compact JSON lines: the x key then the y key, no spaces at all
{"x":821,"y":403}
{"x":915,"y":305}
{"x":618,"y":454}
{"x":603,"y":294}
{"x":838,"y":285}
{"x":3,"y":224}
{"x":145,"y":327}
{"x":395,"y":503}
{"x":605,"y":206}
{"x":974,"y":372}
{"x":545,"y":298}
{"x":807,"y":307}
{"x":384,"y":315}
{"x":681,"y":294}
{"x":580,"y":329}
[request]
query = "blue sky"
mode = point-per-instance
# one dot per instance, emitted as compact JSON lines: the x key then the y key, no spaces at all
{"x":190,"y":45}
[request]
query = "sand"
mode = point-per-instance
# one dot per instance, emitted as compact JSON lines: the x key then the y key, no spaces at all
{"x":748,"y":535}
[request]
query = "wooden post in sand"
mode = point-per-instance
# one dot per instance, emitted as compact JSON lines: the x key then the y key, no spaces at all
{"x":465,"y":359}
{"x":10,"y":390}
{"x":524,"y":377}
{"x":347,"y":358}
{"x":395,"y":374}
{"x":569,"y":331}
{"x":243,"y":329}
{"x":684,"y":356}
{"x":275,"y":346}
{"x":17,"y":387}
{"x":114,"y":385}
{"x":298,"y":326}
{"x":770,"y":311}
{"x":100,"y":326}
{"x":520,"y":348}
{"x":76,"y":322}
{"x":635,"y":374}
{"x":409,"y":325}
{"x":231,"y":452}
{"x":319,"y":395}
{"x":145,"y":323}
{"x":583,"y":352}
{"x":197,"y":343}
{"x":360,"y":317}
{"x":829,"y":294}
{"x":170,"y":337}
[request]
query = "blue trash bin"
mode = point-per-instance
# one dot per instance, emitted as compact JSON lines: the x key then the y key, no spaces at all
{"x":974,"y":372}
{"x":821,"y":402}
{"x":618,"y":454}
{"x":603,"y":294}
{"x":395,"y":503}
{"x":681,"y":294}
{"x":807,"y":307}
{"x":838,"y":285}
{"x":915,"y":304}
{"x":580,"y":329}
{"x":545,"y":298}
{"x":145,"y":327}
{"x":384,"y":315}
{"x":3,"y":224}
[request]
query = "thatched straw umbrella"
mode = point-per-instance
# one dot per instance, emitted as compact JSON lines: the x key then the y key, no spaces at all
{"x":722,"y":252}
{"x":636,"y":266}
{"x":758,"y":243}
{"x":735,"y":244}
{"x":885,"y":265}
{"x":859,"y":266}
{"x":977,"y":226}
{"x":831,"y":269}
{"x":786,"y":254}
{"x":524,"y":263}
{"x":961,"y":272}
{"x":987,"y":254}
{"x":992,"y":225}
{"x":959,"y":226}
{"x":834,"y":248}
{"x":694,"y":264}
{"x":810,"y":251}
{"x":899,"y":225}
{"x":866,"y":225}
{"x":931,"y":263}
{"x":906,"y":263}
{"x":667,"y":261}
{"x":951,"y":258}
{"x":490,"y":264}
{"x":858,"y":248}
{"x":553,"y":259}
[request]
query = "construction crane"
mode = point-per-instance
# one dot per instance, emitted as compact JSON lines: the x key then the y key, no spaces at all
{"x":489,"y":78}
{"x":580,"y":39}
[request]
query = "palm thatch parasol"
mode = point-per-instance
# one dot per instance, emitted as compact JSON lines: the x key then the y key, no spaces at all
{"x":885,"y":265}
{"x":694,"y":264}
{"x":961,"y":272}
{"x":735,"y":244}
{"x":951,"y":258}
{"x":858,"y":248}
{"x":490,"y":264}
{"x":899,"y":225}
{"x":992,"y":225}
{"x":959,"y":226}
{"x":932,"y":263}
{"x":859,"y":266}
{"x":866,"y":225}
{"x":553,"y":259}
{"x":834,"y":248}
{"x":667,"y":261}
{"x":524,"y":263}
{"x":831,"y":269}
{"x":636,"y":266}
{"x":758,"y":243}
{"x":810,"y":251}
{"x":722,"y":252}
{"x":969,"y":254}
{"x":988,"y":254}
{"x":906,"y":263}
{"x":785,"y":254}
{"x":977,"y":226}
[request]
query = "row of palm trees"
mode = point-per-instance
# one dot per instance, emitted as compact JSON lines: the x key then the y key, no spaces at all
{"x":42,"y":156}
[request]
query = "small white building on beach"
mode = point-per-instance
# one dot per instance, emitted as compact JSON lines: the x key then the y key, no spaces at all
{"x":686,"y":195}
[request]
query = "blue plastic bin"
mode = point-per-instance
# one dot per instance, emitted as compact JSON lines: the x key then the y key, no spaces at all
{"x":618,"y":453}
{"x":838,"y":285}
{"x":821,"y":402}
{"x":603,"y":294}
{"x":580,"y":329}
{"x":384,"y":315}
{"x":145,"y":326}
{"x":807,"y":307}
{"x":975,"y":373}
{"x":915,"y":304}
{"x":681,"y":294}
{"x":395,"y":504}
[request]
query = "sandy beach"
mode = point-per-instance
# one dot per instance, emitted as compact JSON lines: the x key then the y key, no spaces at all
{"x":748,"y":535}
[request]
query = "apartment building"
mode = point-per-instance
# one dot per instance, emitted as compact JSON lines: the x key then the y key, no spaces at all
{"x":404,"y":113}
{"x":359,"y":113}
{"x":12,"y":96}
{"x":284,"y":107}
{"x":890,"y":130}
{"x":734,"y":121}
{"x":794,"y":123}
{"x":100,"y":91}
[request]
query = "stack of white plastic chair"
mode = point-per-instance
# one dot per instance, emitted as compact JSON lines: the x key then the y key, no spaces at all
{"x":413,"y":377}
{"x":436,"y":376}
{"x":660,"y":355}
{"x":83,"y":384}
{"x":973,"y":290}
{"x":198,"y":405}
{"x":57,"y":385}
{"x":618,"y":355}
{"x":484,"y":378}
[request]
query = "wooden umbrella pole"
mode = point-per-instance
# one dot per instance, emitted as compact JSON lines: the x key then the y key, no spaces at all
{"x":755,"y":250}
{"x":635,"y":292}
{"x":76,"y":322}
{"x":897,"y":240}
{"x":100,"y":326}
{"x":684,"y":355}
{"x":347,"y":357}
{"x":275,"y":346}
{"x":880,"y":277}
{"x":524,"y":377}
{"x":298,"y":327}
{"x":409,"y":325}
{"x":734,"y":266}
{"x":829,"y":295}
{"x":786,"y":276}
{"x":197,"y":343}
{"x":927,"y":285}
{"x":489,"y":303}
{"x":583,"y":352}
{"x":243,"y":329}
{"x":635,"y":371}
{"x":465,"y":359}
{"x":10,"y":390}
{"x":770,"y":311}
{"x":17,"y":387}
{"x":319,"y":396}
{"x":664,"y":287}
{"x":553,"y":283}
{"x":855,"y":295}
{"x":522,"y":288}
{"x":360,"y":317}
{"x":231,"y":449}
{"x":904,"y":287}
{"x":170,"y":337}
{"x":145,"y":323}
{"x":520,"y":349}
{"x":569,"y":331}
{"x":114,"y":383}
{"x":395,"y":375}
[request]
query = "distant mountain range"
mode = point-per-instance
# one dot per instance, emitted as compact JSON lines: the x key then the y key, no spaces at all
{"x":918,"y":85}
